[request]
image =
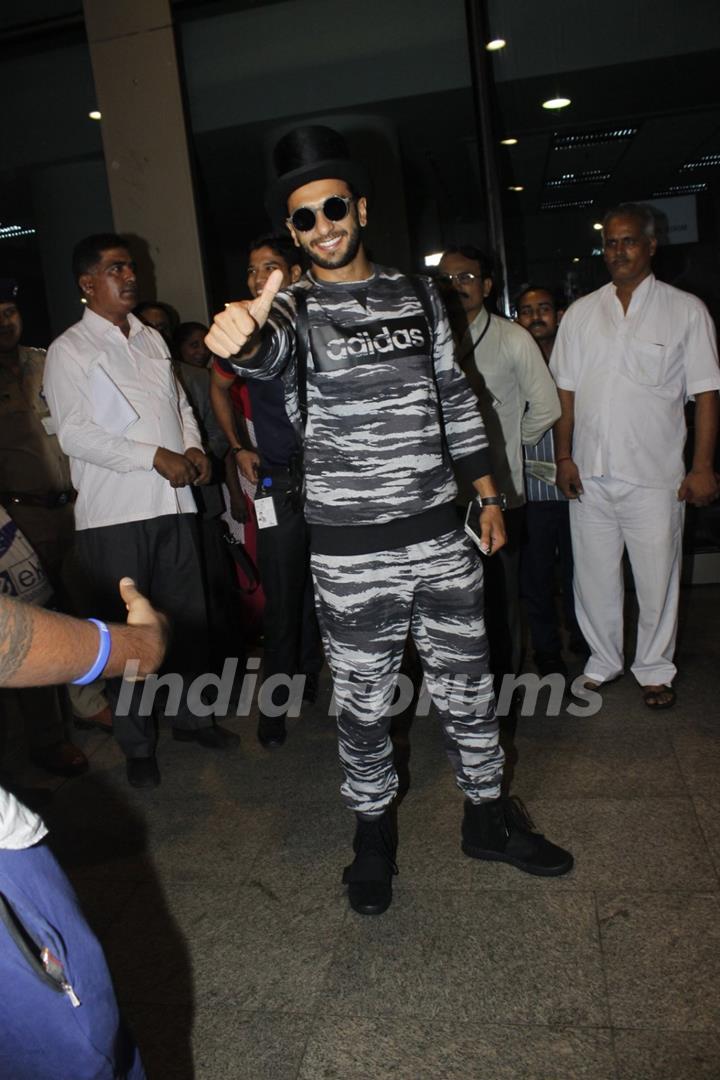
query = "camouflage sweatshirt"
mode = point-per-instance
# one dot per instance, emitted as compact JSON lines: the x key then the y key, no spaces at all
{"x":378,"y":475}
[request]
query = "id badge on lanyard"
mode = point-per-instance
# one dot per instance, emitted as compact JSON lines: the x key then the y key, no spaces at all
{"x":265,"y":506}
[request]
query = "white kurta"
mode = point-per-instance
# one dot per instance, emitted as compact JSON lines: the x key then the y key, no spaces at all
{"x":631,"y":375}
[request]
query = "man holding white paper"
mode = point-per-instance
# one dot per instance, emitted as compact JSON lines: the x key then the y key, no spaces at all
{"x":134,"y":450}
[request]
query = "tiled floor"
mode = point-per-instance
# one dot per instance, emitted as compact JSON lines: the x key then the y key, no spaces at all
{"x":218,"y":900}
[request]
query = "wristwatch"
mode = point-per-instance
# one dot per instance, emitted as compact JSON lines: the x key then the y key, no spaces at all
{"x":492,"y":500}
{"x":236,"y":449}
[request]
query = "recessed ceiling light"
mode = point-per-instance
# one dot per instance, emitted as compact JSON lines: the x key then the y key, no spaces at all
{"x":597,"y":225}
{"x":556,"y":103}
{"x":576,"y":259}
{"x":516,"y":187}
{"x":495,"y":44}
{"x":95,"y":115}
{"x":508,"y":142}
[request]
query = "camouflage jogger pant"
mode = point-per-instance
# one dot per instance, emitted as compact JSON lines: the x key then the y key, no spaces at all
{"x":366,"y":604}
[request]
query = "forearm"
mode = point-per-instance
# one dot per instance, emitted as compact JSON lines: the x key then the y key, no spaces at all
{"x":223,"y":409}
{"x":43,"y":648}
{"x":485,"y":486}
{"x":706,"y":430}
{"x":563,"y":430}
{"x":543,"y":404}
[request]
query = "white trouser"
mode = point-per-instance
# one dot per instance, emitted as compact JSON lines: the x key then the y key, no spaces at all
{"x":649,"y":522}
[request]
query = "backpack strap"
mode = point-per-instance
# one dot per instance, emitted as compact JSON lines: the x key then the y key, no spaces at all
{"x":302,"y":351}
{"x":420,"y":288}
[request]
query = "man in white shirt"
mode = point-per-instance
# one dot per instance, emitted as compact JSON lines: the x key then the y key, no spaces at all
{"x":518,"y":403}
{"x":134,"y":449}
{"x":626,"y":359}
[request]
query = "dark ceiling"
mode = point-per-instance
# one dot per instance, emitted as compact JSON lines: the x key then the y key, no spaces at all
{"x":666,"y":109}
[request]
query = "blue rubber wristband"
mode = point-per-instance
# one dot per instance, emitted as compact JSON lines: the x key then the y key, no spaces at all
{"x":102,"y":656}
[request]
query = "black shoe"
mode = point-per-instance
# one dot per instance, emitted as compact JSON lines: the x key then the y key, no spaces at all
{"x":143,"y":772}
{"x":501,"y":831}
{"x":550,"y":664}
{"x":312,"y":685}
{"x":271,"y":731}
{"x":213,"y":737}
{"x":369,"y":877}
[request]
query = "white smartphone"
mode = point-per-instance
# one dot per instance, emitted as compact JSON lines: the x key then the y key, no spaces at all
{"x":472,"y":528}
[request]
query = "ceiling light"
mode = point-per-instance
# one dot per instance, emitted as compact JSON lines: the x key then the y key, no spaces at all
{"x":593,"y":138}
{"x":508,"y":142}
{"x":95,"y":115}
{"x":597,"y":225}
{"x":576,"y":259}
{"x":434,"y":259}
{"x":556,"y":103}
{"x":680,"y":189}
{"x":516,"y":187}
{"x":704,"y":162}
{"x":495,"y":44}
{"x":566,"y":204}
{"x":587,"y":176}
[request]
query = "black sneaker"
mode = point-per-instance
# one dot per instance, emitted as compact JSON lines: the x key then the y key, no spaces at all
{"x":502,"y":831}
{"x":369,"y":876}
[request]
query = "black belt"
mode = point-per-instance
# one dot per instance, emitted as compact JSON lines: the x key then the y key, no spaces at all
{"x":49,"y":501}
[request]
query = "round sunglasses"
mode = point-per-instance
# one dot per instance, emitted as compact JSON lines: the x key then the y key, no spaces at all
{"x":335,"y":208}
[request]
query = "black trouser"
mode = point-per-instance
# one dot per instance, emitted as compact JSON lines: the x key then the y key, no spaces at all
{"x":502,"y":600}
{"x":291,"y":633}
{"x":161,"y":556}
{"x":547,"y":527}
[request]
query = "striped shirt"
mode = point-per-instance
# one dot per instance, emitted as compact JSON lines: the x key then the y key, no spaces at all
{"x":537,"y":490}
{"x":375,"y":453}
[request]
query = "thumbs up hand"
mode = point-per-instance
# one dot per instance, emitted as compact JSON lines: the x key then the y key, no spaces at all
{"x":232,"y":328}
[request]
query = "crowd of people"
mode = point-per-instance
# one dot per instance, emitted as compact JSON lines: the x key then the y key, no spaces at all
{"x":353,"y":416}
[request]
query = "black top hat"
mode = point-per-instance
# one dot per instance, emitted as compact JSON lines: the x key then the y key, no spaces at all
{"x":306,"y":154}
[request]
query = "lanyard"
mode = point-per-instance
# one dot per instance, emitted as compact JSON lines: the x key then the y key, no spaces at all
{"x":474,"y":344}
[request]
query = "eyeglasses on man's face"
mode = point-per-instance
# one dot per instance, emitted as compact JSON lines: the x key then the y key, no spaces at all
{"x":334,"y":208}
{"x":463,"y":278}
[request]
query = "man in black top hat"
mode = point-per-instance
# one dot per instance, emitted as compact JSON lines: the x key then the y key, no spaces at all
{"x":367,"y":357}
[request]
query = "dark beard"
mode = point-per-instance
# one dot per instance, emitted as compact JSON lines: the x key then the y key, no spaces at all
{"x":344,"y":260}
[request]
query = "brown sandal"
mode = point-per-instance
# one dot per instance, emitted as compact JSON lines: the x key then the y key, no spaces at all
{"x":659,"y":697}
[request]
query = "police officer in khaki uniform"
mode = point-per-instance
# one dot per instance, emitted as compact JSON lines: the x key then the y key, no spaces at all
{"x":36,"y":492}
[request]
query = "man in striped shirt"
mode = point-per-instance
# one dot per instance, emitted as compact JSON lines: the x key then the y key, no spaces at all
{"x":547,"y":521}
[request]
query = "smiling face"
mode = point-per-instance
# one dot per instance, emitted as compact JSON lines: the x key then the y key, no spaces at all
{"x":10,"y":328}
{"x":627,"y":251}
{"x":194,"y":350}
{"x":334,"y":247}
{"x":110,"y":288}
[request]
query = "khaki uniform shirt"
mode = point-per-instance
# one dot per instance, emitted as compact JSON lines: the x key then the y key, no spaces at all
{"x":31,"y":460}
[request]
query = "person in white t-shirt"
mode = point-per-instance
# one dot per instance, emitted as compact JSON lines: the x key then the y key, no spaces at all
{"x":626,"y":359}
{"x":60,"y":1016}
